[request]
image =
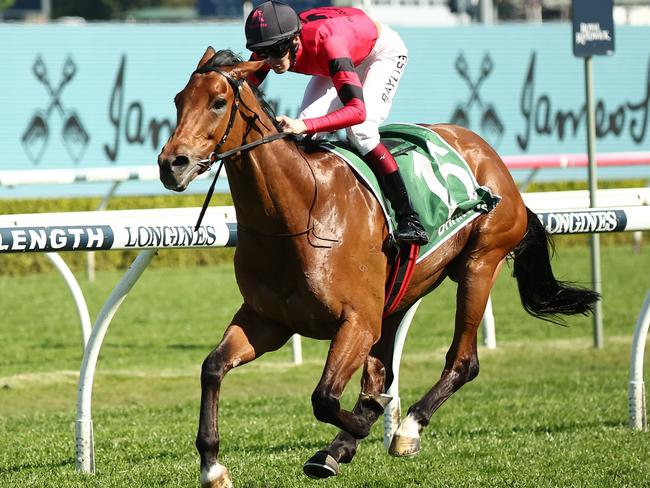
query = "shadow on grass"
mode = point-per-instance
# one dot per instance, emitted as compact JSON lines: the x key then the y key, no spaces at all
{"x":557,"y":428}
{"x":273,"y":448}
{"x":26,"y":466}
{"x":58,"y":345}
{"x":571,"y":427}
{"x":191,"y":347}
{"x":207,"y":346}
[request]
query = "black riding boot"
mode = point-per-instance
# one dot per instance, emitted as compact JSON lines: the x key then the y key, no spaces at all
{"x":409,"y":228}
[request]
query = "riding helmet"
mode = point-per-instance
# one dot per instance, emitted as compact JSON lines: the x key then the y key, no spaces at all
{"x":269,"y":23}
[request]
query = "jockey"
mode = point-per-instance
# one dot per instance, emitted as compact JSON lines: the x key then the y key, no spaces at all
{"x":356,"y":65}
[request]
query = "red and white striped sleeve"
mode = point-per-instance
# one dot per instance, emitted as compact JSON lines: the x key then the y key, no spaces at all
{"x":348,"y":87}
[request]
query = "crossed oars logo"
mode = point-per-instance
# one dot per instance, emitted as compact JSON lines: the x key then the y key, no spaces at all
{"x":491,"y":126}
{"x":74,"y":135}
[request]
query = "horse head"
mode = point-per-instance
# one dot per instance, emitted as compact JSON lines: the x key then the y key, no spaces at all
{"x":208,"y":117}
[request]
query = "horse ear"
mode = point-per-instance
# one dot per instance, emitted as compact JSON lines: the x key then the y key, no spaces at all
{"x":242,"y":70}
{"x":207,"y":56}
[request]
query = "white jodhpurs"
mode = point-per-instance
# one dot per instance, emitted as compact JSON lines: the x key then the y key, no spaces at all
{"x":380,"y":74}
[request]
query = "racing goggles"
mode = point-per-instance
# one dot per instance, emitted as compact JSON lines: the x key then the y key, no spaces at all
{"x":275,"y":51}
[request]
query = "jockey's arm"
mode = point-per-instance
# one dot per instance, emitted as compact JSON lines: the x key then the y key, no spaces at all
{"x":348,"y":87}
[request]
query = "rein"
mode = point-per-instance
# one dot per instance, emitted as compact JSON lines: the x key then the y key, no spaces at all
{"x":206,"y":164}
{"x":220,"y":157}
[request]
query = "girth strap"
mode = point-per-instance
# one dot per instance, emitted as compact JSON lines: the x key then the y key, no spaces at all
{"x":400,"y":276}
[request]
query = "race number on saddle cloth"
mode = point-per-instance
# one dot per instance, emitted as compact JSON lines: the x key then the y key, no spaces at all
{"x":442,"y":187}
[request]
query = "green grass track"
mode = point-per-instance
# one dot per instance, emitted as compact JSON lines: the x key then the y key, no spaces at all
{"x":547,"y":409}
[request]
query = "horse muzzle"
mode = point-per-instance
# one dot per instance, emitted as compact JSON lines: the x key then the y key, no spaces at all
{"x":177,"y":171}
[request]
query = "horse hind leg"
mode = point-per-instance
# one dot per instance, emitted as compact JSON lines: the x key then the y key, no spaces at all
{"x":247,"y":338}
{"x":475,"y":279}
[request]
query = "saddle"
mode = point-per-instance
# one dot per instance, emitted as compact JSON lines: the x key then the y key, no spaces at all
{"x":442,"y":188}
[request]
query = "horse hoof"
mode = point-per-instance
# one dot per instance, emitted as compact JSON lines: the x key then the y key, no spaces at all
{"x":321,"y":465}
{"x":404,"y":446}
{"x":216,"y":477}
{"x":381,"y":401}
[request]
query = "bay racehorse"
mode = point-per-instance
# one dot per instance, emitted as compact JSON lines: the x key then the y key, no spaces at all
{"x":311,"y":260}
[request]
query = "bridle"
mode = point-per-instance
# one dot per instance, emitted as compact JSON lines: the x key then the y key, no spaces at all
{"x":236,"y":85}
{"x":215,"y":155}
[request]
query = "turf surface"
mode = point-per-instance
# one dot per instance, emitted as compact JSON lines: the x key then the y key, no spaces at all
{"x":547,"y":409}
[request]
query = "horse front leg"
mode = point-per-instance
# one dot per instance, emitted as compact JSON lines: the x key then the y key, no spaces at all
{"x":246,"y":338}
{"x":475,"y":281}
{"x":375,"y":380}
{"x":370,"y":405}
{"x":347,"y":353}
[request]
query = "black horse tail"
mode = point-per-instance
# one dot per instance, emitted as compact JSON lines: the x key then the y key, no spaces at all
{"x":541,"y":294}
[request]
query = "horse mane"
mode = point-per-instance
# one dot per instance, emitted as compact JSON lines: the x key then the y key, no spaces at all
{"x":226,"y":57}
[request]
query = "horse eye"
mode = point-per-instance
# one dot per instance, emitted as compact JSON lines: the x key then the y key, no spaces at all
{"x":219,"y":104}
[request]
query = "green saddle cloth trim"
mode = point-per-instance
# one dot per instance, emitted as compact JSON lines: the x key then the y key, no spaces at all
{"x":442,"y":187}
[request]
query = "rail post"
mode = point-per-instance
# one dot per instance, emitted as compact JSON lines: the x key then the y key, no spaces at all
{"x":85,"y":450}
{"x":636,"y":386}
{"x":393,"y":410}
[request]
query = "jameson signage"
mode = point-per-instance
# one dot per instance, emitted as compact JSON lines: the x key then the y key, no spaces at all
{"x":101,"y":97}
{"x":593,"y":27}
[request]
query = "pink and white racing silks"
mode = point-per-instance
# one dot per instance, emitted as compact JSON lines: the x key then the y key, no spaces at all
{"x":355,"y":72}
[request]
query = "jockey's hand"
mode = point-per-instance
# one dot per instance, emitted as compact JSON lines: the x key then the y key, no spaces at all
{"x":292,"y":126}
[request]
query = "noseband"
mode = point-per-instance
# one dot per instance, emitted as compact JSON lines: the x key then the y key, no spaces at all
{"x":206,"y":164}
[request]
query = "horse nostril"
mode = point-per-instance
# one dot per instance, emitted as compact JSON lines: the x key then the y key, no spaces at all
{"x":181,"y":161}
